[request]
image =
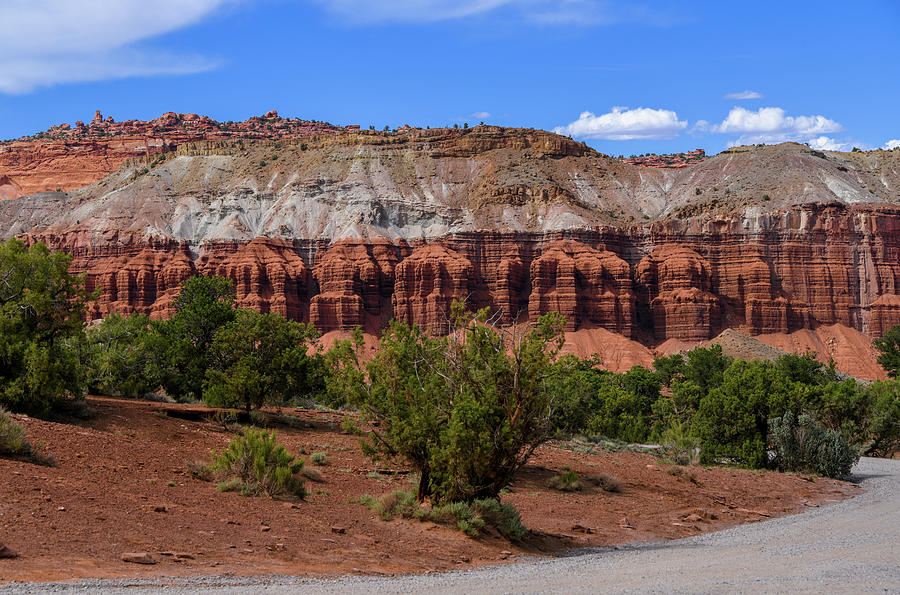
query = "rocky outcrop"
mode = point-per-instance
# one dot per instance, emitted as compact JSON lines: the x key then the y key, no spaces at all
{"x":427,"y":282}
{"x":356,"y":282}
{"x":66,"y":157}
{"x":268,"y":275}
{"x":355,"y":228}
{"x":675,"y":285}
{"x":686,"y":280}
{"x":585,"y":285}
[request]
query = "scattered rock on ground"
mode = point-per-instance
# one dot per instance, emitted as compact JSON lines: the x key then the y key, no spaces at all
{"x":138,"y":558}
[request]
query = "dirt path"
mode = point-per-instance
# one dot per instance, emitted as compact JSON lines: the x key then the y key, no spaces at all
{"x":852,"y":546}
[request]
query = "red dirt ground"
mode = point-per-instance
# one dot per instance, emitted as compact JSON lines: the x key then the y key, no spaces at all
{"x":111,"y":493}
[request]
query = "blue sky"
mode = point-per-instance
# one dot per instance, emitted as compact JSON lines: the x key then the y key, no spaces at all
{"x":627,"y":77}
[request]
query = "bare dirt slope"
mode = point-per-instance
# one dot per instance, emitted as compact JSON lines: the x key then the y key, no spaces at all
{"x":121,"y":485}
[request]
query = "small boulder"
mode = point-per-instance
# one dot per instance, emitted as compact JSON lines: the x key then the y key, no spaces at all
{"x":6,"y":552}
{"x":138,"y":558}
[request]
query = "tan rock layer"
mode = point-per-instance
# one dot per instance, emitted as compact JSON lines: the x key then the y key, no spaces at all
{"x":684,"y":280}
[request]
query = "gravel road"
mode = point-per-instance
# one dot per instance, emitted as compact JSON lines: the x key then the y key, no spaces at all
{"x":849,"y":547}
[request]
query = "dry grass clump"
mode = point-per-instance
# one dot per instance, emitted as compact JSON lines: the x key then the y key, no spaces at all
{"x":567,"y":481}
{"x":470,"y":518}
{"x":682,"y":472}
{"x":14,"y":445}
{"x":607,"y":483}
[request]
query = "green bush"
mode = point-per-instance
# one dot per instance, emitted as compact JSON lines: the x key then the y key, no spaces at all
{"x":680,"y":445}
{"x":256,"y":359}
{"x":318,"y":458}
{"x":801,"y":444}
{"x":566,"y":481}
{"x":732,"y":420}
{"x":119,"y":359}
{"x":259,"y":465}
{"x":884,"y":418}
{"x":181,"y":344}
{"x":41,"y":310}
{"x":15,"y":445}
{"x":465,"y":410}
{"x":470,"y":518}
{"x":888,"y":346}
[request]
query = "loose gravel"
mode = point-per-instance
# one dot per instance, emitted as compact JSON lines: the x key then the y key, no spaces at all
{"x":851,"y":546}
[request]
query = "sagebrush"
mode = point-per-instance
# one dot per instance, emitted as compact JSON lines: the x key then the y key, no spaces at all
{"x":255,"y":464}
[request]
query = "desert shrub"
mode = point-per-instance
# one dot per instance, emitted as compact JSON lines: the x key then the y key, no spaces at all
{"x":466,"y":410}
{"x":12,"y":437}
{"x":256,"y":359}
{"x":566,"y":481}
{"x":312,"y":474}
{"x":260,"y":465}
{"x":802,"y":444}
{"x":883,"y":430}
{"x":888,"y":346}
{"x":401,"y":503}
{"x":607,"y":483}
{"x":318,"y":458}
{"x":41,"y":334}
{"x":620,"y":413}
{"x":470,"y":518}
{"x":15,"y":445}
{"x":576,"y":383}
{"x":732,"y":420}
{"x":119,"y":359}
{"x":683,"y":472}
{"x":181,"y":344}
{"x":806,"y":369}
{"x":679,"y":445}
{"x":200,"y":470}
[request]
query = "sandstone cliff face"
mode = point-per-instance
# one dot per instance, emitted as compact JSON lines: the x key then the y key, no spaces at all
{"x":585,"y":285}
{"x":70,"y":157}
{"x":356,"y":282}
{"x":675,"y":286}
{"x":352,"y":229}
{"x":427,"y":283}
{"x":822,"y":265}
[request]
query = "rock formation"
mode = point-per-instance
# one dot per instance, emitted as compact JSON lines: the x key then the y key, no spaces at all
{"x":427,"y":282}
{"x":67,"y":158}
{"x":585,"y":285}
{"x":353,"y":228}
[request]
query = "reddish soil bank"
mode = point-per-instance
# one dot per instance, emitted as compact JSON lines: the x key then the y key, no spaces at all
{"x":122,"y":485}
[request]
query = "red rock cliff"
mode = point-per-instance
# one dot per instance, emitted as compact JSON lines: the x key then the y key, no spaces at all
{"x":819,"y":265}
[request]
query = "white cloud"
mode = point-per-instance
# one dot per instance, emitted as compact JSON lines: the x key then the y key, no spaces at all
{"x":481,"y":115}
{"x":892,"y":144}
{"x":541,"y":12}
{"x":45,"y":42}
{"x":772,"y":125}
{"x":623,"y":123}
{"x":825,"y":143}
{"x":748,"y":94}
{"x":376,"y":11}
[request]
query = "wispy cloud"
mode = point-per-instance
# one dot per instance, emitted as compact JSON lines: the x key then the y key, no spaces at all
{"x":772,"y":125}
{"x":46,"y":42}
{"x":892,"y":144}
{"x":541,"y":12}
{"x":622,"y":123}
{"x":416,"y":11}
{"x":748,"y":94}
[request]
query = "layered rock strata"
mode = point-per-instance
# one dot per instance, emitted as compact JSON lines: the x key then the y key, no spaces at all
{"x":776,"y":273}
